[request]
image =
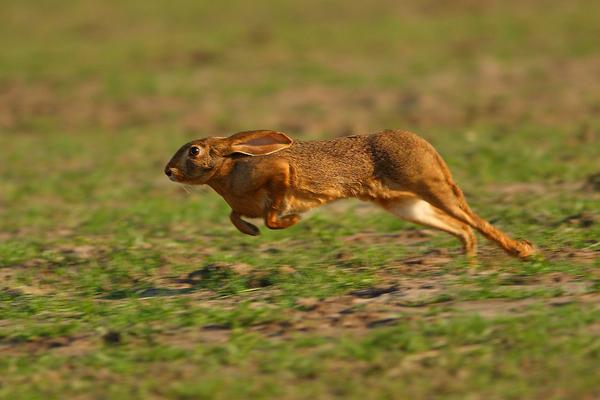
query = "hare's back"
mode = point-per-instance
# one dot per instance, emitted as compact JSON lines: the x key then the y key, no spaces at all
{"x":336,"y":162}
{"x":404,"y":157}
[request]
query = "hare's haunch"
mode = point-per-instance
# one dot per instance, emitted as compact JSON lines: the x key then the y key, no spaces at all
{"x":265,"y":174}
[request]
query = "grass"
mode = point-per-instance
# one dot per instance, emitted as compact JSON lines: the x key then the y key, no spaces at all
{"x":115,"y":283}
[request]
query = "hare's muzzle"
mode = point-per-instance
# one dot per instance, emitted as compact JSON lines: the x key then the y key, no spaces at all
{"x":171,"y":173}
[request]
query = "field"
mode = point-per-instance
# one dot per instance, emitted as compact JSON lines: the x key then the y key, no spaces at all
{"x":118,"y":284}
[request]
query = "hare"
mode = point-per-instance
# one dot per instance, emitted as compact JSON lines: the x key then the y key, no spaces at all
{"x":265,"y":174}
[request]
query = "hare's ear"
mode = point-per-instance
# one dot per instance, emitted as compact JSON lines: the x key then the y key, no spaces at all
{"x":258,"y":143}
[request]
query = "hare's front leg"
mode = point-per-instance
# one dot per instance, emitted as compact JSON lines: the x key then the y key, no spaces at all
{"x":243,"y":226}
{"x":275,"y":206}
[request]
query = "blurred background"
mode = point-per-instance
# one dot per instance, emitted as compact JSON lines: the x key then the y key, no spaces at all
{"x":99,"y":248}
{"x":308,"y":68}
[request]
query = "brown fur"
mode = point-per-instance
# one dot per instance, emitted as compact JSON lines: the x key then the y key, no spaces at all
{"x":264,"y":174}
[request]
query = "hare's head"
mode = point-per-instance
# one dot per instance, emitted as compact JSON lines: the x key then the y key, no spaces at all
{"x":198,"y":161}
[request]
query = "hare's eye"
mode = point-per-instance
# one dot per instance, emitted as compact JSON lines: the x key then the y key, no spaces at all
{"x":194,"y":151}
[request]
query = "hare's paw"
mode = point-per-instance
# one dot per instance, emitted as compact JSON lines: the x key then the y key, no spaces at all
{"x":249,"y":229}
{"x":243,"y":226}
{"x":273,"y":221}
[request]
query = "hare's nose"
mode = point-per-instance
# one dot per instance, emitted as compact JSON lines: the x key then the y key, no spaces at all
{"x":168,"y":171}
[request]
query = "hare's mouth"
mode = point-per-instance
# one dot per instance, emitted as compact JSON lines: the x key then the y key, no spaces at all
{"x":179,"y":178}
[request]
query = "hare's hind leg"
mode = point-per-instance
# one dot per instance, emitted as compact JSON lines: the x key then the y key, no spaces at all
{"x":421,"y":212}
{"x":451,"y":200}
